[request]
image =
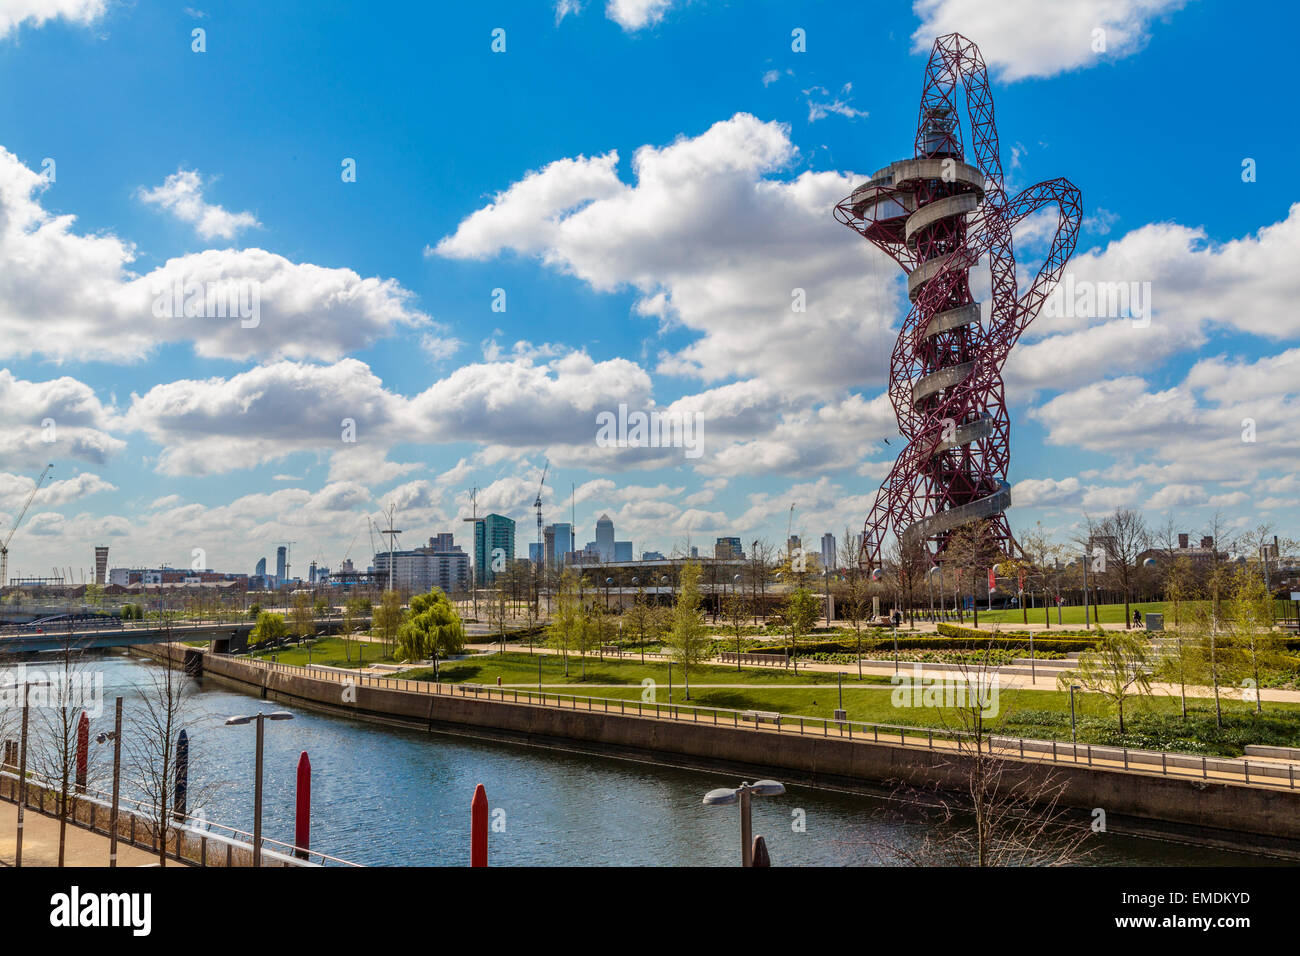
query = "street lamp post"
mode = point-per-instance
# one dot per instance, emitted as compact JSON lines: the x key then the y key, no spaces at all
{"x":259,"y":719}
{"x":114,"y":735}
{"x":727,"y":796}
{"x":1074,"y":737}
{"x":22,"y":771}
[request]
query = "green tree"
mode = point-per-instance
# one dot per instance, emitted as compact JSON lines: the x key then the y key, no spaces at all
{"x":433,"y":629}
{"x":388,"y":617}
{"x":687,"y":639}
{"x":269,"y":627}
{"x":1250,"y":623}
{"x":799,"y":614}
{"x":586,"y":631}
{"x":300,"y":615}
{"x":853,"y":603}
{"x":1117,"y":668}
{"x":735,"y":611}
{"x":636,"y":620}
{"x":566,"y":617}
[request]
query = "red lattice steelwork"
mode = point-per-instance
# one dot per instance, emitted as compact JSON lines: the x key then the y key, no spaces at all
{"x":937,"y":216}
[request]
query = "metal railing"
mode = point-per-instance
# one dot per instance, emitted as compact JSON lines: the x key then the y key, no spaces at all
{"x":1222,"y":769}
{"x":198,"y":841}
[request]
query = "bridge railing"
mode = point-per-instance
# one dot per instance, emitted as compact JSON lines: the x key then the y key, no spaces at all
{"x":1260,"y":773}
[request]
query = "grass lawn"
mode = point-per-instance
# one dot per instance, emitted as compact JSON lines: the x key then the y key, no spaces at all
{"x":1153,"y":723}
{"x":328,"y":651}
{"x":521,"y":668}
{"x":1110,"y":613}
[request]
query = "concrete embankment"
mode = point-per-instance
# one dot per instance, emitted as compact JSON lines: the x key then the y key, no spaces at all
{"x":1212,"y":812}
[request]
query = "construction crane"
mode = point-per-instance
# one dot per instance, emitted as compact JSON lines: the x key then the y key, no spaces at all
{"x":4,"y":548}
{"x":538,"y":505}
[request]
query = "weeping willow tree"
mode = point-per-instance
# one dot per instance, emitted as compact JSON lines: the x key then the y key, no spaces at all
{"x":433,"y":629}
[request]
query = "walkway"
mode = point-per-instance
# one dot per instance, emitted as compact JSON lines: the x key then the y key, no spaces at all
{"x":41,"y":843}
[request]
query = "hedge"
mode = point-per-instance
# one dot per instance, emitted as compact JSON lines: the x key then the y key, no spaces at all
{"x":931,"y":643}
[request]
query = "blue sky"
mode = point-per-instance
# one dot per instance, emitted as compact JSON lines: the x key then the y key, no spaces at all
{"x":646,"y":180}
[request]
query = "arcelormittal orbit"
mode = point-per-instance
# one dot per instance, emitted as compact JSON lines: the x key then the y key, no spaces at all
{"x":938,"y":215}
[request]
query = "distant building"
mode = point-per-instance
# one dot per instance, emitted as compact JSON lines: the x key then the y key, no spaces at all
{"x":605,"y":537}
{"x":557,"y":541}
{"x":536,"y":552}
{"x":793,"y":544}
{"x":727,"y":549}
{"x":1203,"y":554}
{"x":280,"y":563}
{"x":828,"y":550}
{"x":494,"y":544}
{"x":442,"y":565}
{"x":622,"y":550}
{"x":260,"y":570}
{"x":652,"y":556}
{"x":101,"y":564}
{"x":695,"y":552}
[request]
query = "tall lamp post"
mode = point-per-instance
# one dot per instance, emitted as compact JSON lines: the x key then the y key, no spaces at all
{"x":729,"y":796}
{"x":22,"y":771}
{"x":1074,"y":737}
{"x":114,"y":735}
{"x":260,"y":719}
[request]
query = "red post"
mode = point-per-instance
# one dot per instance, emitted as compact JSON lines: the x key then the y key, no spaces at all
{"x":302,"y":827}
{"x":83,"y":750}
{"x":478,"y":827}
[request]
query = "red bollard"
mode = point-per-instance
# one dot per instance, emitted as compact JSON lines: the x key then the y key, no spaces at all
{"x":83,"y":751}
{"x":302,"y":822}
{"x":478,"y":827}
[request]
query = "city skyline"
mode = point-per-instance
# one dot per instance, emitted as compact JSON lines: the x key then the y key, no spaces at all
{"x":379,"y":299}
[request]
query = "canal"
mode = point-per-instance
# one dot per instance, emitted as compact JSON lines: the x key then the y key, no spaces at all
{"x":385,"y":796}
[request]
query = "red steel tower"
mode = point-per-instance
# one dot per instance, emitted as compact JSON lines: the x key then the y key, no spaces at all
{"x":938,"y":215}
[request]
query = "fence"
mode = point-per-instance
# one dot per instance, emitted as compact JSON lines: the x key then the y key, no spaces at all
{"x":192,"y":840}
{"x":1222,"y":769}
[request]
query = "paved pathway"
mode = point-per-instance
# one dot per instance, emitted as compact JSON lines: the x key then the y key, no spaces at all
{"x":41,"y":843}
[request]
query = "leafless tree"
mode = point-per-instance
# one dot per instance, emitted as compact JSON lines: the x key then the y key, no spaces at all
{"x":970,"y":551}
{"x":1003,"y":811}
{"x":162,"y":709}
{"x":760,"y":564}
{"x":1218,"y":576}
{"x":52,"y":734}
{"x":1122,"y":536}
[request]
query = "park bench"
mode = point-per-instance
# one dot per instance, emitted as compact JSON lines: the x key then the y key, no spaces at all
{"x":612,"y":649}
{"x":759,"y":716}
{"x":731,"y":657}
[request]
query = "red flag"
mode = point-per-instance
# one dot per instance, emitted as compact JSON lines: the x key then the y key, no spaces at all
{"x":993,"y":578}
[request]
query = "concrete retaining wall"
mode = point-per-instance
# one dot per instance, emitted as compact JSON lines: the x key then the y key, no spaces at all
{"x":1208,"y":811}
